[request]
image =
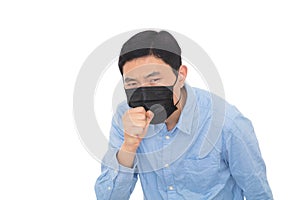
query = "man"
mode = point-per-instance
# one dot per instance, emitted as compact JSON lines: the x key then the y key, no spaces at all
{"x":158,"y":132}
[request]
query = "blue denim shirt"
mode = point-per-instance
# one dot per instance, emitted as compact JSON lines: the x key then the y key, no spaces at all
{"x":201,"y":158}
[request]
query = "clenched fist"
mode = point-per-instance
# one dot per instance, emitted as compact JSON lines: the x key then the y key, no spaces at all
{"x":135,"y":122}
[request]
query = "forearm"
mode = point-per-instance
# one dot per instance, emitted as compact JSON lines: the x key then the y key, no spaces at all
{"x":116,"y":181}
{"x":126,"y":156}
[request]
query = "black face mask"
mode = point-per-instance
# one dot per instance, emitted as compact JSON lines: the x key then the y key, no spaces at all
{"x":158,"y":99}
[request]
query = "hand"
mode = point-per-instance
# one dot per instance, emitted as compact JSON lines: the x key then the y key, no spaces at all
{"x":136,"y":122}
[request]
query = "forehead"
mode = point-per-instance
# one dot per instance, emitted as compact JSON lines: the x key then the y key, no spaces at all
{"x":144,"y":65}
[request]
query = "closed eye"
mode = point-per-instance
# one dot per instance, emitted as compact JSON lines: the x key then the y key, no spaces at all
{"x":131,"y":84}
{"x":155,"y":80}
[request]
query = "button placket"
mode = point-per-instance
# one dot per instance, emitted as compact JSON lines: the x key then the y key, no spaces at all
{"x":167,"y":172}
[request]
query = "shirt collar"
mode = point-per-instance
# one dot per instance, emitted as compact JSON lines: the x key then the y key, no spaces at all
{"x":187,"y":114}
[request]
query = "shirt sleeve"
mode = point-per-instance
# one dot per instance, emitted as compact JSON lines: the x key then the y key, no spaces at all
{"x":245,"y":161}
{"x":116,"y":181}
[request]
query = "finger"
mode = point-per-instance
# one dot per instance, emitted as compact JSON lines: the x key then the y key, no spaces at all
{"x":139,"y":123}
{"x":139,"y":116}
{"x":139,"y":109}
{"x":133,"y":117}
{"x":134,"y":131}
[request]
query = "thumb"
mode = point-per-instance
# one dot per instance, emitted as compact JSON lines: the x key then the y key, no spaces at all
{"x":149,"y":115}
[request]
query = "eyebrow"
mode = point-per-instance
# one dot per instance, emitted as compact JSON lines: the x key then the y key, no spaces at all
{"x":152,"y":74}
{"x":127,"y":79}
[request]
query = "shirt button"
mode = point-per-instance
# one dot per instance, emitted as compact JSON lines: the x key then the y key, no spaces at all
{"x":109,"y":188}
{"x":167,"y":137}
{"x":166,"y":165}
{"x":171,"y":188}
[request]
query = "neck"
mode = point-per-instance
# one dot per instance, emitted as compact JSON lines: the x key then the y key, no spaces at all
{"x":173,"y":119}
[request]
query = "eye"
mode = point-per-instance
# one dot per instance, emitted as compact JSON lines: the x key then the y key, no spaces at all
{"x":131,"y":84}
{"x":155,"y":80}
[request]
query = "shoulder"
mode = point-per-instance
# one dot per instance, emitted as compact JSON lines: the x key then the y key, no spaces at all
{"x":218,"y":106}
{"x":216,"y":103}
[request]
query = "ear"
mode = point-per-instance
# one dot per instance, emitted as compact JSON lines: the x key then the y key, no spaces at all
{"x":182,"y":73}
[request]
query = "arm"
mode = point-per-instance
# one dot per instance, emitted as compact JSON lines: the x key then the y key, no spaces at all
{"x":116,"y":181}
{"x":245,"y":161}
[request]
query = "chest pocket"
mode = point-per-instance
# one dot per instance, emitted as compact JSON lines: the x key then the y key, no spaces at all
{"x":199,"y":174}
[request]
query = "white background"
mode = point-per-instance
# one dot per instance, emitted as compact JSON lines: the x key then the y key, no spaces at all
{"x":255,"y":46}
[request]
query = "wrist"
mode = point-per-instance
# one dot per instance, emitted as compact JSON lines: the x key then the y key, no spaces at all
{"x":128,"y":148}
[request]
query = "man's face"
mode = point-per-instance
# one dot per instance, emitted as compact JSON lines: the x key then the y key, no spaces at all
{"x":150,"y":71}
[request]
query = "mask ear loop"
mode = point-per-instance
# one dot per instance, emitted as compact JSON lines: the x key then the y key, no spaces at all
{"x":178,"y":100}
{"x":173,"y":87}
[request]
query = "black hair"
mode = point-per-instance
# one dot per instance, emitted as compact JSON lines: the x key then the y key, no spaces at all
{"x":159,"y":44}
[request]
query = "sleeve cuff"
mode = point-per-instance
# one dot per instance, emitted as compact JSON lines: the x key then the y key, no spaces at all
{"x":110,"y":161}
